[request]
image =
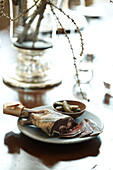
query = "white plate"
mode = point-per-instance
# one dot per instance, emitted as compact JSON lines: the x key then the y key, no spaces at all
{"x":37,"y":134}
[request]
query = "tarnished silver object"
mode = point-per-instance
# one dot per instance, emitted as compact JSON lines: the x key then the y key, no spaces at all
{"x":31,"y":32}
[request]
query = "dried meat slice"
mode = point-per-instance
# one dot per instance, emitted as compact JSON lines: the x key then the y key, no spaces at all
{"x":96,"y":130}
{"x":74,"y":132}
{"x":86,"y":129}
{"x":81,"y":130}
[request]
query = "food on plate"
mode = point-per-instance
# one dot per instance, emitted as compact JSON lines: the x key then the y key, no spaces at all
{"x":49,"y":121}
{"x":65,"y":107}
{"x":85,"y":128}
{"x":52,"y":122}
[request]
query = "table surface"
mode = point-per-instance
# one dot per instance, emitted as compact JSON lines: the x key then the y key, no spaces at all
{"x":18,"y":151}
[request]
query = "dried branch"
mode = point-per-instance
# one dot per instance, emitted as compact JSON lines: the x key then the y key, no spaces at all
{"x":1,"y":7}
{"x":38,"y":24}
{"x":74,"y":58}
{"x":82,"y":45}
{"x":39,"y":10}
{"x":16,"y":18}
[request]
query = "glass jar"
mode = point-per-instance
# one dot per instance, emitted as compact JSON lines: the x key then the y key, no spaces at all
{"x":32,"y":33}
{"x":33,"y":30}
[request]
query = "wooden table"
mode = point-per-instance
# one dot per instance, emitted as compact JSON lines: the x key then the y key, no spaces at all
{"x":18,"y":151}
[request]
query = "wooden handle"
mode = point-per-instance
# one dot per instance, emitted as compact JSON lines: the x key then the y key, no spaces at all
{"x":13,"y":108}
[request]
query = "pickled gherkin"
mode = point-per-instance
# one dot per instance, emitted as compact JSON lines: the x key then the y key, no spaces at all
{"x":60,"y":108}
{"x":64,"y":106}
{"x":58,"y":104}
{"x":73,"y":107}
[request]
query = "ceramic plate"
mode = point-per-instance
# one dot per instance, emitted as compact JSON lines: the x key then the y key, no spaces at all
{"x":37,"y":134}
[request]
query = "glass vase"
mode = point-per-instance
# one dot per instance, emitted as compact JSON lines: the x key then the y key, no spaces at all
{"x":32,"y":33}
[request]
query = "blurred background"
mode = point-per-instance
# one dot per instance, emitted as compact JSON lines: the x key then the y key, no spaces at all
{"x":70,"y":3}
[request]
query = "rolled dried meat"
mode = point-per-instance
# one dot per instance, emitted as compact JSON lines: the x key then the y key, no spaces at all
{"x":52,"y":122}
{"x":49,"y":121}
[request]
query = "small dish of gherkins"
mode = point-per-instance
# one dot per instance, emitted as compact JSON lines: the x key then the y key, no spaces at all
{"x":70,"y":107}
